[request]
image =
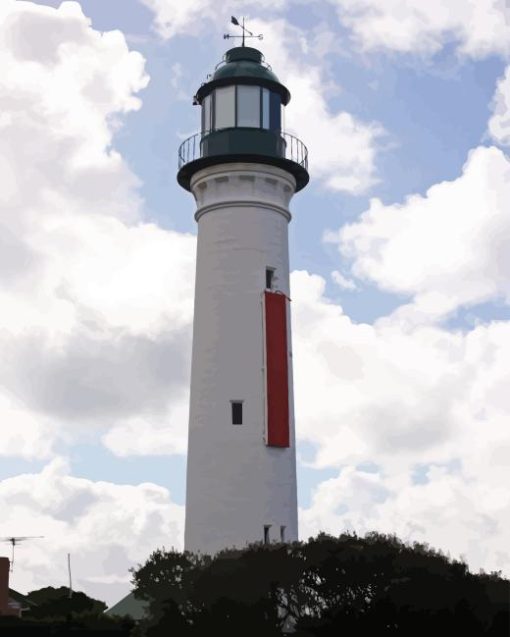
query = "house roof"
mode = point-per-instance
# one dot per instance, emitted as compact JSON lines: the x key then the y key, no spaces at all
{"x":129,"y":605}
{"x":20,"y":599}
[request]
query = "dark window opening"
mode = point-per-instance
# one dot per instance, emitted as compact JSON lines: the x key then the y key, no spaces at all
{"x":237,"y":412}
{"x":266,"y":533}
{"x":269,"y":278}
{"x":282,"y":534}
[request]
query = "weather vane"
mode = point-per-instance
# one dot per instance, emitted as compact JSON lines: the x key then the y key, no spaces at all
{"x":235,"y":21}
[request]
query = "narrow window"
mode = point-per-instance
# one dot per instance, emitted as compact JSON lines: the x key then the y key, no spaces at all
{"x":269,"y":278}
{"x":206,"y":114}
{"x":282,"y":534}
{"x":266,"y":533}
{"x":224,"y":107}
{"x":237,"y":412}
{"x":248,"y":106}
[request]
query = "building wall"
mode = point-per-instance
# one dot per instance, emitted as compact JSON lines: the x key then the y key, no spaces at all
{"x":236,"y":484}
{"x":8,"y":606}
{"x":4,"y":585}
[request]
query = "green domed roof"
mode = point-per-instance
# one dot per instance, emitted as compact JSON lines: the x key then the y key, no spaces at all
{"x":243,"y":61}
{"x":244,"y":65}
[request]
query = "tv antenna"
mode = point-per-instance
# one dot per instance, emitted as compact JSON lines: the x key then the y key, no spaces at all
{"x":16,"y":540}
{"x":235,"y":21}
{"x":70,"y":580}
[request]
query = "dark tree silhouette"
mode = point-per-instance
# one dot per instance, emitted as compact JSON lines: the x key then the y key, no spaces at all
{"x":55,"y":602}
{"x":379,"y":583}
{"x":166,"y":581}
{"x":243,"y":591}
{"x":58,"y":615}
{"x":326,"y":586}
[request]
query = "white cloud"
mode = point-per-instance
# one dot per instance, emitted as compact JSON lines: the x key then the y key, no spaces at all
{"x":478,"y":27}
{"x":447,"y":248}
{"x":464,"y":519}
{"x":400,"y":399}
{"x":96,"y":303}
{"x":24,"y":433}
{"x":380,"y":389}
{"x":499,"y":123}
{"x":172,"y":17}
{"x":71,"y":82}
{"x":342,"y":281}
{"x":165,"y":435}
{"x":342,"y":148}
{"x":107,"y":528}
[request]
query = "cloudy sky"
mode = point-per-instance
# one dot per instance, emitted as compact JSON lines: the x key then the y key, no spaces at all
{"x":400,"y":272}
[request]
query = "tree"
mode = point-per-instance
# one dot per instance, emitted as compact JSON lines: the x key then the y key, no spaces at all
{"x":53,"y":602}
{"x":242,"y":592}
{"x":166,"y":581}
{"x":328,"y":585}
{"x":57,"y":614}
{"x":378,"y":583}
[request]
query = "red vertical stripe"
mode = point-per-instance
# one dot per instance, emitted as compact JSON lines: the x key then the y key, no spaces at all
{"x":277,"y":374}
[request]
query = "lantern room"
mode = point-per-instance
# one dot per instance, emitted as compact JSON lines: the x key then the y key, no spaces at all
{"x":242,"y":120}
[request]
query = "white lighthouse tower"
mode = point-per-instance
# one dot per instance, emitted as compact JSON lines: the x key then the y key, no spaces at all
{"x":243,"y":170}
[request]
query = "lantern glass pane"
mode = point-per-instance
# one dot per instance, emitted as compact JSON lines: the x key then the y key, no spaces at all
{"x":248,"y":106}
{"x":206,"y":114}
{"x":225,"y":107}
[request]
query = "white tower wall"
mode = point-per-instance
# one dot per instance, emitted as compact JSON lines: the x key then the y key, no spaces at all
{"x":236,"y":484}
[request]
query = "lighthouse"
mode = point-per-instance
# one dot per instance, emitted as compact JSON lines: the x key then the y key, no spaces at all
{"x":242,"y":169}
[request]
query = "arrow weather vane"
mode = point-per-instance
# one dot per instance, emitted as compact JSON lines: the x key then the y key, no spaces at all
{"x":235,"y":21}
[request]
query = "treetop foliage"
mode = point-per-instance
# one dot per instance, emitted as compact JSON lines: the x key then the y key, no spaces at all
{"x":56,"y":602}
{"x":319,"y":587}
{"x":56,"y":614}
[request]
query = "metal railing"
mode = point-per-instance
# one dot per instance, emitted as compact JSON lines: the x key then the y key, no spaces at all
{"x":295,"y":150}
{"x":190,"y":149}
{"x":291,"y":147}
